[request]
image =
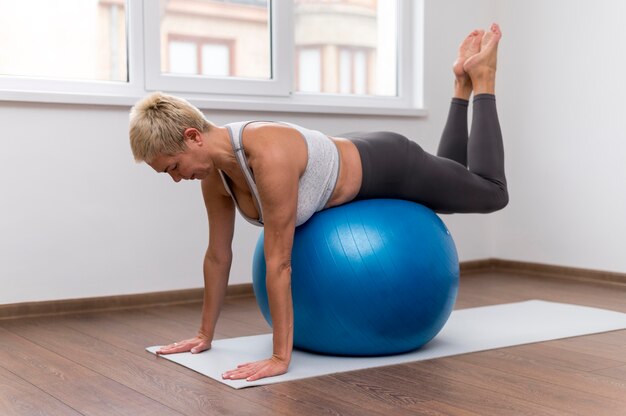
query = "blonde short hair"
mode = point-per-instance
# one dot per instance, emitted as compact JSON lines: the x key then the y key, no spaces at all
{"x":157,"y":124}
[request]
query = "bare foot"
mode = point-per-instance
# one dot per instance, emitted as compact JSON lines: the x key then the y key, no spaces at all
{"x":485,"y":62}
{"x":469,"y":47}
{"x":462,"y":81}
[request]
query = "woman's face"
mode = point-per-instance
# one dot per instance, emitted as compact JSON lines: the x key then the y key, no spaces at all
{"x":190,"y":164}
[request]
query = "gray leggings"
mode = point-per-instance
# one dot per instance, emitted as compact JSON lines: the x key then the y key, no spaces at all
{"x":396,"y":167}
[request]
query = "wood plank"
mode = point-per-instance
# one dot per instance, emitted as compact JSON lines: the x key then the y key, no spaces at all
{"x":449,"y":390}
{"x":560,"y":357}
{"x":588,"y":345}
{"x":130,"y":331}
{"x":304,"y":393}
{"x":20,"y":398}
{"x":175,"y":323}
{"x":75,"y":385}
{"x":545,"y":370}
{"x":502,"y":288}
{"x":437,"y":408}
{"x":117,"y":329}
{"x":377,"y":396}
{"x":501,"y":382}
{"x":240,"y":310}
{"x":301,"y":398}
{"x":118,"y":332}
{"x":170,"y":388}
{"x":617,"y":373}
{"x":187,"y":323}
{"x":614,"y":338}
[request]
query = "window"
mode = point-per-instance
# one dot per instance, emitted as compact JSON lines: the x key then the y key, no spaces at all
{"x":283,"y":55}
{"x":39,"y":39}
{"x":219,"y":47}
{"x":216,"y":27}
{"x":358,"y":38}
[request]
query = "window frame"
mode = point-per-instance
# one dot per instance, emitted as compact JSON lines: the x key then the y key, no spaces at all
{"x":240,"y":94}
{"x":281,"y":44}
{"x":70,"y":91}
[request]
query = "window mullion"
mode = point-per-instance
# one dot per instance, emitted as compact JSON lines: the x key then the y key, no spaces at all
{"x":282,"y":23}
{"x":407,"y":70}
{"x":135,"y":45}
{"x":415,"y":51}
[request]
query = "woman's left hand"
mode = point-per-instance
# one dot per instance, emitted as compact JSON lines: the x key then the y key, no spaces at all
{"x":259,"y":369}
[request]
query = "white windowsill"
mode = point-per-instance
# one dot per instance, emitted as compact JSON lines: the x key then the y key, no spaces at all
{"x":226,"y":103}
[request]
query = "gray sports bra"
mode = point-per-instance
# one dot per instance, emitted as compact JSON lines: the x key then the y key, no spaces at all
{"x":316,"y":184}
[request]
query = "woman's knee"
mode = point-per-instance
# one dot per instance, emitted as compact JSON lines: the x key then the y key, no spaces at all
{"x":498,"y":200}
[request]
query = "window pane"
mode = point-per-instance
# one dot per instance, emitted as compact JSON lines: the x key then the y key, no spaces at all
{"x":358,"y":39}
{"x":216,"y":60}
{"x":360,"y":72}
{"x":183,"y":58}
{"x":231,"y":37}
{"x":76,"y":39}
{"x":345,"y":71}
{"x":309,"y":70}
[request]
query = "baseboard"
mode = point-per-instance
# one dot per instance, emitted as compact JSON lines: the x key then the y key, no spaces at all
{"x":476,"y":266}
{"x":107,"y":303}
{"x":59,"y":307}
{"x":560,"y":272}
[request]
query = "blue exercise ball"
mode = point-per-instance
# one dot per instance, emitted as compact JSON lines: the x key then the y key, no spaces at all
{"x":372,"y":277}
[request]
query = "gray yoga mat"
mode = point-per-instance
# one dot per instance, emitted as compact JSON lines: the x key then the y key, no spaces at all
{"x":467,"y":330}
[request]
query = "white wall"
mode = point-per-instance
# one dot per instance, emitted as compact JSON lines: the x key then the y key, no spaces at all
{"x":80,"y":219}
{"x":562,"y":83}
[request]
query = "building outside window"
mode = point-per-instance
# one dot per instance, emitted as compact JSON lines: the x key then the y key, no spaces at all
{"x":350,"y":34}
{"x":309,"y":69}
{"x":216,"y":38}
{"x":199,"y":56}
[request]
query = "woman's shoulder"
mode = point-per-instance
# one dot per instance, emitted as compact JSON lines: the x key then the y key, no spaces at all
{"x":271,"y":143}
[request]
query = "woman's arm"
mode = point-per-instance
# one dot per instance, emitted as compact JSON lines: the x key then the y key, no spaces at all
{"x":219,"y":255}
{"x":217,"y":262}
{"x":276,"y":175}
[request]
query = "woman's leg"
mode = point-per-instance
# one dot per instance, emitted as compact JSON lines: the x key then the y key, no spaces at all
{"x":485,"y":151}
{"x":453,"y":143}
{"x":395,"y":167}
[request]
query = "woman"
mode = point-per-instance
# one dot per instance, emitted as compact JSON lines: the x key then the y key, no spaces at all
{"x":278,"y":175}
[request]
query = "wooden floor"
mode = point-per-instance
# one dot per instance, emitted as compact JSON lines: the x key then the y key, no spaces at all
{"x":95,"y":364}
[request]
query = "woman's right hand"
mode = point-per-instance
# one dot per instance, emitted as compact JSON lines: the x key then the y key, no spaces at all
{"x":195,"y":345}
